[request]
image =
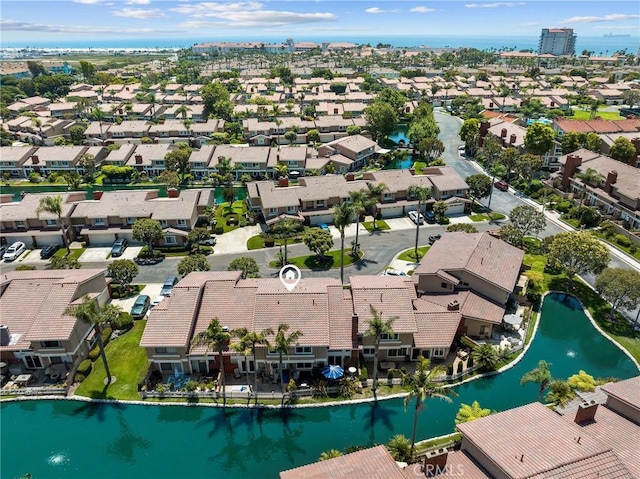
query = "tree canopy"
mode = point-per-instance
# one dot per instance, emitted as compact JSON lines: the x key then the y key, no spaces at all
{"x":318,"y":241}
{"x":539,"y":138}
{"x":578,"y":253}
{"x":527,"y":219}
{"x":619,"y":286}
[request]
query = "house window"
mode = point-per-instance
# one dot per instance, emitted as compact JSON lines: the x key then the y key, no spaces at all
{"x":444,"y":285}
{"x":319,"y":203}
{"x":394,"y":353}
{"x":291,"y":209}
{"x":20,"y":224}
{"x":303,"y":349}
{"x":99,"y":222}
{"x":50,"y":222}
{"x":50,"y":344}
{"x":387,"y":196}
{"x":166,"y":366}
{"x":130,"y":220}
{"x":170,"y":240}
{"x":273,"y":211}
{"x":438,"y":352}
{"x":307,"y":366}
{"x":167,"y":350}
{"x":484,"y":330}
{"x":182,"y":222}
{"x":368,"y":351}
{"x":163,"y":223}
{"x":390,"y":337}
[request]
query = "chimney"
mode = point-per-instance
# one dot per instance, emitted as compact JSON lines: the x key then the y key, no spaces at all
{"x":612,"y":177}
{"x":172,"y":192}
{"x":484,"y":128}
{"x":512,"y":139}
{"x":503,"y":133}
{"x":284,"y":182}
{"x":453,"y":305}
{"x":35,"y":160}
{"x":5,"y":337}
{"x":586,"y":413}
{"x":354,"y":328}
{"x":138,"y":159}
{"x":435,"y":462}
{"x":97,"y":195}
{"x":570,"y":167}
{"x":350,"y":177}
{"x":634,"y":159}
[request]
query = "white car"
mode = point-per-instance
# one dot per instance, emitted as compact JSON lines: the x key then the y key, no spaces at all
{"x":394,"y":272}
{"x":14,"y":251}
{"x":208,"y":242}
{"x":157,"y":301}
{"x":416,"y":217}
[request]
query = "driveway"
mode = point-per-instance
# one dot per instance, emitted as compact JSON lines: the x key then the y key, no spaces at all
{"x":235,"y":241}
{"x":151,"y":289}
{"x":95,"y":254}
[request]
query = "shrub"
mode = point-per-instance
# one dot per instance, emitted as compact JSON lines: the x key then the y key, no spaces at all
{"x":449,"y":369}
{"x":622,"y":240}
{"x":34,"y":177}
{"x":460,"y":367}
{"x":142,"y":376}
{"x":219,"y":230}
{"x":633,"y":248}
{"x":125,"y":321}
{"x":94,"y":353}
{"x":563,"y":206}
{"x":191,"y":386}
{"x":269,"y":242}
{"x":84,"y":368}
{"x":25,"y":267}
{"x":79,"y":378}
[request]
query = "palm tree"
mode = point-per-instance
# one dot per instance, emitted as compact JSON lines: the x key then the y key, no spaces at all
{"x":422,"y":194}
{"x":374,"y":193}
{"x":540,"y":374}
{"x":377,"y":328}
{"x":98,"y":115}
{"x":89,"y":312}
{"x":330,"y":454}
{"x":486,"y":356}
{"x":283,"y":343}
{"x":214,"y":337}
{"x":247,"y":345}
{"x":285,"y":229}
{"x":422,"y":386}
{"x":342,"y":214}
{"x":560,"y":393}
{"x":53,"y":205}
{"x":359,"y":202}
{"x":468,"y":413}
{"x":589,"y":177}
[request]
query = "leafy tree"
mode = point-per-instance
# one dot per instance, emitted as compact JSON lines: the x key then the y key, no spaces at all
{"x":560,"y":393}
{"x":330,"y":454}
{"x":512,"y":235}
{"x":508,"y":158}
{"x":313,"y":136}
{"x":376,"y":329}
{"x":283,"y":343}
{"x":123,"y":271}
{"x":76,"y":134}
{"x":539,"y":139}
{"x":487,"y":356}
{"x":395,"y":98}
{"x":215,"y":337}
{"x":248,"y":341}
{"x":578,"y":253}
{"x":88,"y":69}
{"x":342,"y":216}
{"x":217,"y":100}
{"x":430,"y":147}
{"x":620,"y":287}
{"x":422,"y":386}
{"x":491,"y":148}
{"x":196,"y":235}
{"x":353,"y":130}
{"x":422,"y":194}
{"x":381,"y":120}
{"x":53,"y":205}
{"x":592,"y":141}
{"x":88,"y":311}
{"x":291,"y":136}
{"x":226,"y":170}
{"x":622,"y":150}
{"x":468,"y":413}
{"x":169,"y":178}
{"x":178,"y":161}
{"x":88,"y":162}
{"x":191,"y":263}
{"x":464,"y":227}
{"x":440,"y":208}
{"x":147,"y":230}
{"x":527,"y":219}
{"x":247,"y":265}
{"x":64,"y":262}
{"x":470,"y":133}
{"x":540,"y":375}
{"x":422,"y":128}
{"x":36,"y":68}
{"x":631,"y":97}
{"x":582,"y":382}
{"x":285,"y":229}
{"x":526,"y":165}
{"x":318,"y":241}
{"x":479,"y":186}
{"x":399,"y":447}
{"x":73,"y":180}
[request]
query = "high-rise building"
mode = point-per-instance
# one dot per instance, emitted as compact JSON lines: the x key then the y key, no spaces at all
{"x":557,"y":41}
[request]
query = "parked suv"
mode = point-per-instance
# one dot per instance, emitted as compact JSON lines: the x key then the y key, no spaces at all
{"x":48,"y":251}
{"x":118,"y":247}
{"x":501,"y":185}
{"x":14,"y":251}
{"x":141,"y":306}
{"x":168,"y":285}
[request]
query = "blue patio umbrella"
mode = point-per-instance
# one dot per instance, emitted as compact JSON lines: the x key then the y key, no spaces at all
{"x":333,"y":372}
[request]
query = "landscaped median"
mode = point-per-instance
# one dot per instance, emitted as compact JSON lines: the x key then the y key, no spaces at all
{"x":329,"y":260}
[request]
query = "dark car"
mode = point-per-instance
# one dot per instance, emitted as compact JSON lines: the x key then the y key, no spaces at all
{"x":430,"y":216}
{"x":434,"y":238}
{"x":141,"y":306}
{"x":501,"y":185}
{"x":168,"y":285}
{"x":48,"y":251}
{"x":118,"y":247}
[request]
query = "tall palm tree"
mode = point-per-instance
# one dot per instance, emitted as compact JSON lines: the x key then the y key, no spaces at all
{"x":359,"y":202}
{"x":89,"y":312}
{"x":99,"y":116}
{"x":248,"y":342}
{"x":53,"y":205}
{"x":342,"y":215}
{"x":283,"y":343}
{"x":374,"y":194}
{"x":285,"y":229}
{"x":540,"y":375}
{"x":560,"y":393}
{"x":422,"y":194}
{"x":486,"y":356}
{"x":471,"y":412}
{"x":423,"y":385}
{"x":377,"y":328}
{"x":215,"y":337}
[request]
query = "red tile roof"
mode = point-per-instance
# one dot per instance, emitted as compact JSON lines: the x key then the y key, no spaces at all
{"x":627,"y":391}
{"x":436,"y":330}
{"x":472,"y":305}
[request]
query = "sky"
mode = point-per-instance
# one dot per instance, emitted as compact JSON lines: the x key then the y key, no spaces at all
{"x":24,"y":21}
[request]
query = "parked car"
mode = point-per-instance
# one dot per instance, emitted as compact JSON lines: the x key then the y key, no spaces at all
{"x":3,"y":250}
{"x":48,"y":251}
{"x":324,"y":226}
{"x":141,"y":306}
{"x":118,"y":247}
{"x":431,"y":217}
{"x":416,"y":217}
{"x":14,"y":251}
{"x":394,"y":272}
{"x":434,"y":238}
{"x":208,"y":242}
{"x":157,"y":301}
{"x":501,"y":185}
{"x":168,"y":285}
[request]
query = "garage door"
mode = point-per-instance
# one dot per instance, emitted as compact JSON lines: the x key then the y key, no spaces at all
{"x":455,"y":208}
{"x":319,"y":219}
{"x":101,"y":239}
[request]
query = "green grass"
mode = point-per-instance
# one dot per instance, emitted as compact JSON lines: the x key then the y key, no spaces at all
{"x":419,"y":166}
{"x":409,"y":255}
{"x":487,"y":216}
{"x":257,"y":242}
{"x":330,"y":260}
{"x":224,"y":211}
{"x":127,"y":360}
{"x":75,"y":253}
{"x":626,"y":249}
{"x":380,"y":225}
{"x":605,"y":115}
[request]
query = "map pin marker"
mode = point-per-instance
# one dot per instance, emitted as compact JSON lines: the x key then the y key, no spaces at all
{"x":290,"y":276}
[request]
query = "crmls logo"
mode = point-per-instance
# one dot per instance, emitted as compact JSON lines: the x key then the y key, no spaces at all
{"x":434,"y":470}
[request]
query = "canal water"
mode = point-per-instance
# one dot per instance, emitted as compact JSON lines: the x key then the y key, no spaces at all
{"x":69,"y":439}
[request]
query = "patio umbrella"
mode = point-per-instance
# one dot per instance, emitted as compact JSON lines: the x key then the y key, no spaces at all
{"x":333,"y":372}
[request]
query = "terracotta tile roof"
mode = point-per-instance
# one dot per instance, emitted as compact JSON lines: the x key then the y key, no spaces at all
{"x":627,"y":391}
{"x":436,"y":330}
{"x":530,"y":440}
{"x":460,"y":465}
{"x":373,"y":463}
{"x":472,"y":305}
{"x":390,"y":295}
{"x":606,"y":465}
{"x":479,"y":254}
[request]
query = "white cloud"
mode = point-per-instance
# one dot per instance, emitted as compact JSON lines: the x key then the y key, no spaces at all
{"x":493,"y":5}
{"x":138,"y":13}
{"x":264,"y":18}
{"x":19,"y":26}
{"x":210,"y":9}
{"x":138,"y":2}
{"x":376,"y":10}
{"x":422,"y":10}
{"x":87,"y":2}
{"x":614,"y":17}
{"x":530,"y":24}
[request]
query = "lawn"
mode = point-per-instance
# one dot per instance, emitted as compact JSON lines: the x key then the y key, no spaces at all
{"x":380,"y":225}
{"x":127,"y":361}
{"x":75,"y":253}
{"x":408,"y":255}
{"x":328,"y":261}
{"x":257,"y":242}
{"x":487,"y":217}
{"x":224,"y":212}
{"x":605,"y":115}
{"x":630,"y":250}
{"x":418,"y":166}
